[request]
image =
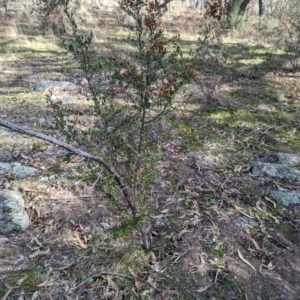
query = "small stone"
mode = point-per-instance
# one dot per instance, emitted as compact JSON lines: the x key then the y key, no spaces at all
{"x":160,"y":224}
{"x":21,"y":171}
{"x":68,"y":100}
{"x":104,"y":225}
{"x":242,"y":221}
{"x":110,"y":129}
{"x":42,"y":121}
{"x":3,"y":239}
{"x":152,"y":136}
{"x":6,"y":156}
{"x":84,"y":82}
{"x":12,"y":213}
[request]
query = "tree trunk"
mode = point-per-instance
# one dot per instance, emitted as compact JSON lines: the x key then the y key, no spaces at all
{"x":261,"y":7}
{"x":243,"y":7}
{"x":5,"y":6}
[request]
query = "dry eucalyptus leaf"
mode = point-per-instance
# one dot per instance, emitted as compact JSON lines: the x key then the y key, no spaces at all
{"x":39,"y":253}
{"x":35,"y":295}
{"x":255,"y":244}
{"x":270,"y":266}
{"x":203,"y":289}
{"x":19,"y":282}
{"x":5,"y":297}
{"x":132,"y":272}
{"x":245,"y":260}
{"x":268,"y":199}
{"x":181,"y":233}
{"x":111,"y":283}
{"x":217,"y":264}
{"x":80,"y":242}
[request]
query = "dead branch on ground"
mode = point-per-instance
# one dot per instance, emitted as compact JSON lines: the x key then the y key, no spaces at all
{"x":72,"y":149}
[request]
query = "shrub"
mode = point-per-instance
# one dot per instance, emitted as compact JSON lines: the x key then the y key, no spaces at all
{"x":129,"y":96}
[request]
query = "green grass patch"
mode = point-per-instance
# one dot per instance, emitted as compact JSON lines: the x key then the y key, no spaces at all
{"x":26,"y":281}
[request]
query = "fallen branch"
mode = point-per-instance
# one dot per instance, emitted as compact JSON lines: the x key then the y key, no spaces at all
{"x":99,"y":275}
{"x":98,"y":159}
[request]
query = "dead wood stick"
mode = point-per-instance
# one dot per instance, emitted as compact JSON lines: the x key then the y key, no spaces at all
{"x":96,"y":158}
{"x":99,"y":275}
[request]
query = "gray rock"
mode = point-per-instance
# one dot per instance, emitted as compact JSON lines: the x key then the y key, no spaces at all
{"x":3,"y":239}
{"x":68,"y":100}
{"x":42,"y":121}
{"x":63,"y":98}
{"x":12,"y":213}
{"x":285,"y":197}
{"x":44,"y":85}
{"x":84,"y":82}
{"x":289,"y":159}
{"x":242,"y":221}
{"x":6,"y":156}
{"x":276,"y":171}
{"x":3,"y":132}
{"x":5,"y":166}
{"x":266,"y":158}
{"x":152,"y":136}
{"x":21,"y":171}
{"x":279,"y":158}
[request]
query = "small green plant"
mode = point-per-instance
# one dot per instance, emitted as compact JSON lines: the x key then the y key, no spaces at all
{"x":234,"y":19}
{"x":285,"y":228}
{"x":229,"y":288}
{"x":24,"y":281}
{"x":209,"y":200}
{"x":213,"y":247}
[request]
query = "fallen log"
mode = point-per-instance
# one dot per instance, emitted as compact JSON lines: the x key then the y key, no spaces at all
{"x":72,"y":149}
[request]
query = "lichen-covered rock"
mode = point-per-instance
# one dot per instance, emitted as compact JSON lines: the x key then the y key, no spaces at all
{"x":18,"y":170}
{"x":21,"y":171}
{"x":288,"y":159}
{"x":278,"y":171}
{"x":44,"y":85}
{"x":286,"y":198}
{"x":12,"y":213}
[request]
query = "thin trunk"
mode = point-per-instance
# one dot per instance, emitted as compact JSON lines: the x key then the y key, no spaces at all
{"x":243,"y":7}
{"x":139,"y":151}
{"x":5,"y":6}
{"x":261,"y":7}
